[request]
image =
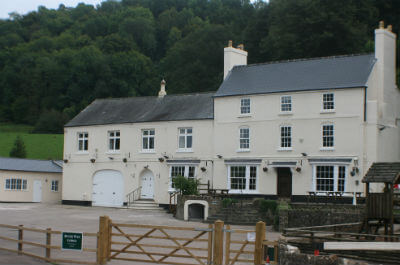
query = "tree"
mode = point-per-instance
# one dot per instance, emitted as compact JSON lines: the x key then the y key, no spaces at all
{"x":18,"y":149}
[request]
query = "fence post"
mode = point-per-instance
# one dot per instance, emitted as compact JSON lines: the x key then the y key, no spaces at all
{"x":109,"y":230}
{"x":20,"y":238}
{"x":210,"y":242}
{"x":102,"y":241}
{"x":258,"y":248}
{"x":48,"y":243}
{"x":228,"y":245}
{"x":218,"y":242}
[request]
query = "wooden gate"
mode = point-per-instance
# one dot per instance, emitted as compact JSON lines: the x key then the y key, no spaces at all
{"x":180,"y":245}
{"x":161,"y":244}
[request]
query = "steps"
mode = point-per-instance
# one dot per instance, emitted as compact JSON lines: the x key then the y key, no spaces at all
{"x":149,"y":205}
{"x":237,"y":216}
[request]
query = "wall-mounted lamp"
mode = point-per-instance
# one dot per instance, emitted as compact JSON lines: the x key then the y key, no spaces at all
{"x":146,"y":167}
{"x":125,"y":160}
{"x":265,"y":169}
{"x":65,"y":160}
{"x":203,"y":169}
{"x":357,"y":182}
{"x":161,"y":159}
{"x":354,"y":171}
{"x":92,"y":160}
{"x":219,"y":156}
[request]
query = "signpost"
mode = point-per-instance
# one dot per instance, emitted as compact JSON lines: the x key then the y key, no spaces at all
{"x":71,"y":241}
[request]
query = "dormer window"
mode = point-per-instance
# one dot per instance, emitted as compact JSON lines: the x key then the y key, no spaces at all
{"x":328,"y":102}
{"x":245,"y":106}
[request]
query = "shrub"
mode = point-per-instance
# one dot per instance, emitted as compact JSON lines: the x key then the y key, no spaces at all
{"x":18,"y":149}
{"x":268,"y":205}
{"x":226,"y":202}
{"x":186,"y":186}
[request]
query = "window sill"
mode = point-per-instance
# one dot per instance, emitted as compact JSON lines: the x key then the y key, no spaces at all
{"x":285,"y":113}
{"x":243,"y":151}
{"x":327,"y":149}
{"x":244,"y":115}
{"x":284,"y":149}
{"x":184,"y":151}
{"x":54,"y":191}
{"x":243,"y":192}
{"x":327,"y":111}
{"x":147,"y":152}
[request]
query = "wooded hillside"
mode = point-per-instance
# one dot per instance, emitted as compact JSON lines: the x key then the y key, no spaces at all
{"x":55,"y":62}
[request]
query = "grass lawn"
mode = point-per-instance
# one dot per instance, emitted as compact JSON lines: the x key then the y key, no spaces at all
{"x":38,"y":146}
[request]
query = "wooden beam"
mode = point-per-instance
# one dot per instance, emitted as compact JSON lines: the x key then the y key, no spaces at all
{"x":376,"y":246}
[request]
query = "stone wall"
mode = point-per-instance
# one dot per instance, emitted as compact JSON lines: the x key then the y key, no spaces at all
{"x":214,"y":203}
{"x":300,"y":215}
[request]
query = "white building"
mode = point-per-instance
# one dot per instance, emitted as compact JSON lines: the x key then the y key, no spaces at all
{"x":30,"y":180}
{"x":277,"y":129}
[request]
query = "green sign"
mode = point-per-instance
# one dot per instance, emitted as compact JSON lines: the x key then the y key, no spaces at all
{"x":71,"y":241}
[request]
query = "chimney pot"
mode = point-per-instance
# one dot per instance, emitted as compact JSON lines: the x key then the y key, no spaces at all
{"x":241,"y":47}
{"x":162,"y":91}
{"x":389,"y":28}
{"x":381,"y":24}
{"x":230,"y":43}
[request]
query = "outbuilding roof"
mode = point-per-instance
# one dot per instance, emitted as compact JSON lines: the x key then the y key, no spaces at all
{"x":197,"y":106}
{"x":22,"y":164}
{"x":383,"y":173}
{"x":298,"y":75}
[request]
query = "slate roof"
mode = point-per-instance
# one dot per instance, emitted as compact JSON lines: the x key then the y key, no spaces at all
{"x":21,"y":164}
{"x":298,"y":75}
{"x":383,"y":172}
{"x":197,"y":106}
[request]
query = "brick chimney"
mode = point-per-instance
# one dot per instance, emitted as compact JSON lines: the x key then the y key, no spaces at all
{"x":233,"y":56}
{"x":162,"y":91}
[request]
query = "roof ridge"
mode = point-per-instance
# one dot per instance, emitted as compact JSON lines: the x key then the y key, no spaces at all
{"x":304,"y":59}
{"x":170,"y":95}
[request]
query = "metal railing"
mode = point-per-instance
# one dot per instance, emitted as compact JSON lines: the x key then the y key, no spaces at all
{"x":133,"y":196}
{"x":173,"y":202}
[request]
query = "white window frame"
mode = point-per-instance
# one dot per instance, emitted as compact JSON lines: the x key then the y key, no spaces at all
{"x":13,"y":184}
{"x":185,"y":135}
{"x":283,"y":138}
{"x":245,"y":106}
{"x":286,"y":102}
{"x":112,"y":141}
{"x":247,"y":189}
{"x":83,"y":137}
{"x":323,"y":137}
{"x":146,"y":138}
{"x":336,"y":173}
{"x":327,"y":102}
{"x":54,"y":185}
{"x":185,"y":173}
{"x":242,"y":145}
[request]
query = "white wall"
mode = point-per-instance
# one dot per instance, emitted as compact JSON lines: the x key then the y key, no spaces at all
{"x":79,"y":171}
{"x":27,"y":195}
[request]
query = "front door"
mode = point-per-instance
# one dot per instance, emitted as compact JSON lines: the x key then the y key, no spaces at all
{"x":284,"y":182}
{"x":147,"y":191}
{"x":37,"y":191}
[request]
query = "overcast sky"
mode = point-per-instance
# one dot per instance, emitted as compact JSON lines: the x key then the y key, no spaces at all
{"x":24,"y":6}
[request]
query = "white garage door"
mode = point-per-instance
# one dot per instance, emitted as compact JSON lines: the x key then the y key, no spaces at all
{"x":108,"y":188}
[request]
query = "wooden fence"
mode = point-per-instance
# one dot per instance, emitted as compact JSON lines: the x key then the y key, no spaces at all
{"x":216,"y":244}
{"x":48,"y":246}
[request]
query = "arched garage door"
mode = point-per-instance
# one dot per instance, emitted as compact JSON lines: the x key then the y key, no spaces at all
{"x":108,"y":188}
